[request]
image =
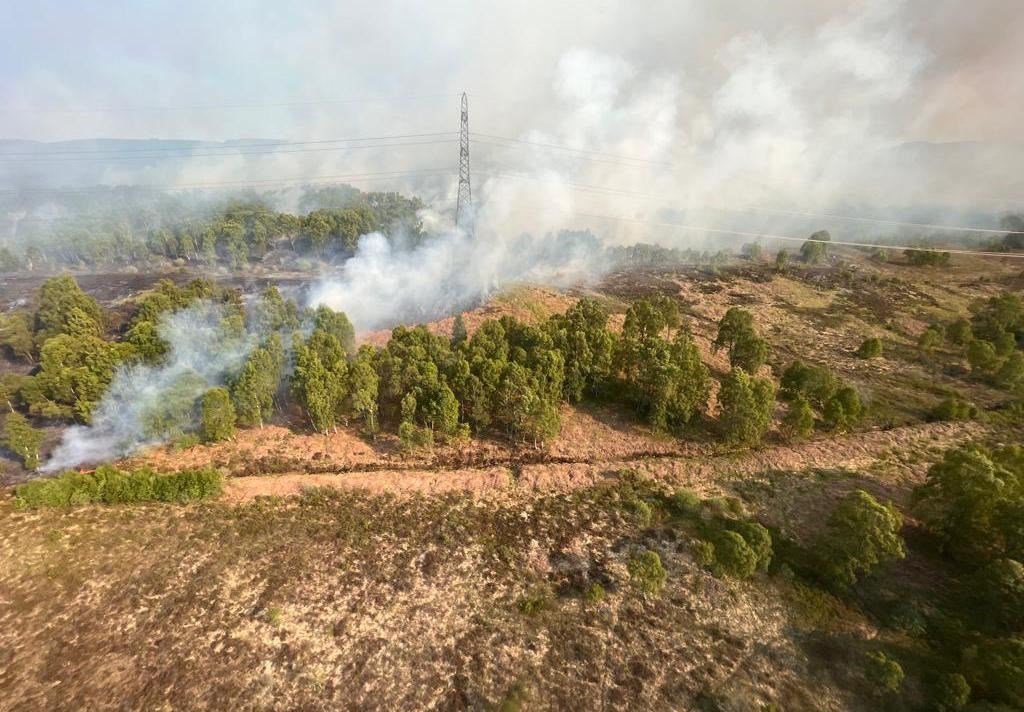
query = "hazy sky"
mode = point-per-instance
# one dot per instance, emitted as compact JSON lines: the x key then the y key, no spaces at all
{"x":961,"y":63}
{"x":753,"y":100}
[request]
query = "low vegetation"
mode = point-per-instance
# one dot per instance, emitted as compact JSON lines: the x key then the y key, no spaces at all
{"x":109,"y":485}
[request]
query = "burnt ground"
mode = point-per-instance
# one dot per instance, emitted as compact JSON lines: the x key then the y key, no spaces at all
{"x":337,"y":574}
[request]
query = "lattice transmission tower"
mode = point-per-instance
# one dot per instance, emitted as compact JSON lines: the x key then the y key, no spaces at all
{"x":464,"y":206}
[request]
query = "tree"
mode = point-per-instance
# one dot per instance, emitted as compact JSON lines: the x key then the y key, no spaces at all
{"x":972,"y":500}
{"x":63,"y":308}
{"x":999,"y":593}
{"x":16,"y":334}
{"x":883,"y":673}
{"x":981,"y":355}
{"x":747,"y":405}
{"x":781,"y":261}
{"x":995,"y":668}
{"x":816,"y":384}
{"x":459,"y":333}
{"x":844,"y":409}
{"x":815,"y":248}
{"x":363,"y":388}
{"x":959,"y":332}
{"x":736,"y":334}
{"x":217,"y":415}
{"x":1010,"y":375}
{"x":870,"y":348}
{"x":587,"y":348}
{"x":952,"y":693}
{"x":319,"y":381}
{"x":861,"y":534}
{"x":22,"y":439}
{"x":798,"y":422}
{"x":337,"y":324}
{"x":253,"y":390}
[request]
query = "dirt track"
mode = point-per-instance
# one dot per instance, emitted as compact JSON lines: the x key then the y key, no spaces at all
{"x":850,"y":452}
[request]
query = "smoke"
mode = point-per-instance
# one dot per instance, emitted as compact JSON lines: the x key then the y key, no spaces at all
{"x":383,"y":285}
{"x":201,"y":356}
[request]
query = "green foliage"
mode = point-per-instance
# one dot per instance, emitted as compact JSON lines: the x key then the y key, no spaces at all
{"x":781,"y":260}
{"x":998,"y":591}
{"x":1003,"y":313}
{"x":973,"y":500}
{"x":594,"y":594}
{"x":646,"y":573}
{"x":995,"y":669}
{"x":951,"y":693}
{"x":171,"y":415}
{"x":747,"y":407}
{"x":320,"y":380}
{"x":959,"y":332}
{"x":1010,"y":375}
{"x":737,"y":335}
{"x":109,"y":485}
{"x":861,"y":534}
{"x":815,"y":248}
{"x":815,"y":384}
{"x":363,"y":388}
{"x":252,"y":391}
{"x":930,"y":339}
{"x":459,"y":333}
{"x":63,"y":308}
{"x":22,"y":439}
{"x":954,"y":408}
{"x":843,"y":410}
{"x":336,"y":324}
{"x":798,"y":423}
{"x":931,"y":258}
{"x":587,"y":347}
{"x":870,"y":348}
{"x":74,"y":374}
{"x":703,"y":552}
{"x":733,"y":555}
{"x":16,"y":334}
{"x":217,"y":416}
{"x":982,"y":357}
{"x":884,"y":674}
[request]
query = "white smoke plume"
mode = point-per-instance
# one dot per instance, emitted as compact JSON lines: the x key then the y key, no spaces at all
{"x":200,"y":357}
{"x":382,"y":285}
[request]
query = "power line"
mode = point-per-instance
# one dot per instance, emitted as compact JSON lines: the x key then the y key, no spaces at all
{"x":379,"y":175}
{"x":259,"y":144}
{"x":650,"y":196}
{"x":232,"y":154}
{"x":253,"y":105}
{"x":845,"y":243}
{"x":559,"y":147}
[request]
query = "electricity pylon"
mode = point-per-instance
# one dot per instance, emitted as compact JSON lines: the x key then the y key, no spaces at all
{"x":464,"y":206}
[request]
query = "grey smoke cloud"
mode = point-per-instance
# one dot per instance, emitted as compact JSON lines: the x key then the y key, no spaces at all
{"x":200,"y":357}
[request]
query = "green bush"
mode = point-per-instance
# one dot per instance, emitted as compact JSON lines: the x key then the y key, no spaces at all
{"x":883,"y":673}
{"x":861,"y":534}
{"x":954,"y":408}
{"x":995,"y":668}
{"x":871,"y":348}
{"x":798,"y":422}
{"x":684,"y":502}
{"x":951,"y":693}
{"x":109,"y":485}
{"x":642,"y":512}
{"x":646,"y":572}
{"x":703,"y":552}
{"x":733,"y":555}
{"x":594,"y":594}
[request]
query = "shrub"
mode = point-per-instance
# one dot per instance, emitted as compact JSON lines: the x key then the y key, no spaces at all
{"x":814,"y":383}
{"x":959,"y":332}
{"x":930,"y":338}
{"x":951,"y":693}
{"x":595,"y":593}
{"x":108,"y":485}
{"x":757,"y":538}
{"x":218,"y":415}
{"x":798,"y":422}
{"x":871,"y":348}
{"x":954,"y":408}
{"x":747,"y":405}
{"x":641,"y":511}
{"x":861,"y":533}
{"x":703,"y":552}
{"x":995,"y":668}
{"x":734,"y":556}
{"x":999,"y":593}
{"x":883,"y":673}
{"x":646,"y":572}
{"x":844,"y":409}
{"x":21,"y":438}
{"x":684,"y":502}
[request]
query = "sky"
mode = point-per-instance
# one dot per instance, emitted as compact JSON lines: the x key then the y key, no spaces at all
{"x":779,"y":101}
